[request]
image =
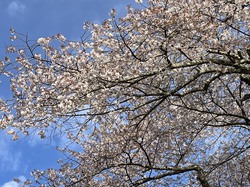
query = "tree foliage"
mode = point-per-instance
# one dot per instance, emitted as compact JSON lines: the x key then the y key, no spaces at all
{"x":159,"y":97}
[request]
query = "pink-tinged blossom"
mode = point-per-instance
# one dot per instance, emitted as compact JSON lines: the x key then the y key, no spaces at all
{"x":44,"y":41}
{"x":139,"y":1}
{"x":159,"y":97}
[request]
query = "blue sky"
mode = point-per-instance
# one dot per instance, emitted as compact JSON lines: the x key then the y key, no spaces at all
{"x":40,"y":18}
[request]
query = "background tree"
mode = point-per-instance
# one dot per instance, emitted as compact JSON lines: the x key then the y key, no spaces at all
{"x":159,"y":97}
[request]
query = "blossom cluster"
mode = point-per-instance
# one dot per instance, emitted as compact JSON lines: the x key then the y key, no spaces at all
{"x":158,"y":93}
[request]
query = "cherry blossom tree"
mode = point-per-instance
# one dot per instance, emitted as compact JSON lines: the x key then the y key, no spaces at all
{"x":159,"y":97}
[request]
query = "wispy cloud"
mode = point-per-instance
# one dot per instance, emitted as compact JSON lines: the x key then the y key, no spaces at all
{"x":16,"y":7}
{"x":13,"y":183}
{"x":10,"y":184}
{"x":9,"y":158}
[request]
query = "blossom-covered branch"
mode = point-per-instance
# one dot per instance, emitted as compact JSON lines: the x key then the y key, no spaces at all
{"x":159,"y":97}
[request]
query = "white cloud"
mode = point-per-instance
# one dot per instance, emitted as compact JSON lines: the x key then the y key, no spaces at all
{"x":13,"y":183}
{"x":15,"y":7}
{"x":9,"y":158}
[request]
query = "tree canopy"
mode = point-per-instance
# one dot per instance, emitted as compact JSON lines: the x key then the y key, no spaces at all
{"x":159,"y":97}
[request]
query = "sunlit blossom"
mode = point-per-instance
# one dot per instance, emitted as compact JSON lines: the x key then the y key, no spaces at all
{"x":159,"y":97}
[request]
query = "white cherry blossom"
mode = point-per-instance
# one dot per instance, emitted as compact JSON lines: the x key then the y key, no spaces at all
{"x":159,"y":97}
